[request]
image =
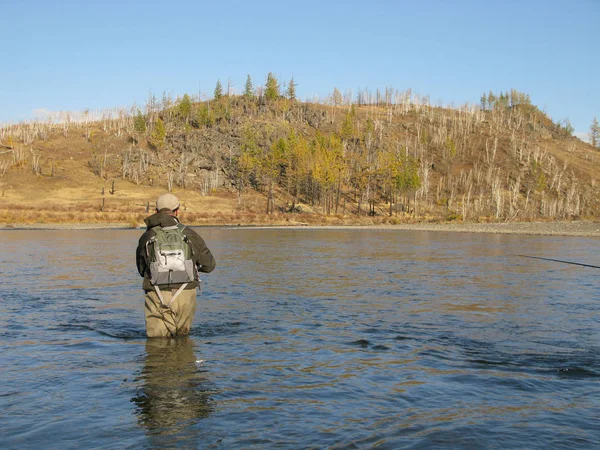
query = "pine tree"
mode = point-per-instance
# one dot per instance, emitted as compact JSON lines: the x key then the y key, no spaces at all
{"x":218,"y":94}
{"x":139,"y":123}
{"x":159,"y":134}
{"x":347,"y":130}
{"x":184,"y":109}
{"x":248,"y":90}
{"x":205,"y":116}
{"x":291,"y":90}
{"x":272,"y":87}
{"x":503,"y":100}
{"x":594,"y":133}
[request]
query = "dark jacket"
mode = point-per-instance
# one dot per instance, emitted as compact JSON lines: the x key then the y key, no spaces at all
{"x":200,"y":253}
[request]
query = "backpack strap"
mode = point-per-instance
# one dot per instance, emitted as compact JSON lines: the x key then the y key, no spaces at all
{"x":160,"y":297}
{"x":181,"y":288}
{"x":157,"y":289}
{"x":181,"y":227}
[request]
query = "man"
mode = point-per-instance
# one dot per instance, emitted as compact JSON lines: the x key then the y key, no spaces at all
{"x":170,"y":287}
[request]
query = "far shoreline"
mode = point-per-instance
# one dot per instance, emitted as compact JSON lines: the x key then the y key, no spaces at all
{"x":571,"y":228}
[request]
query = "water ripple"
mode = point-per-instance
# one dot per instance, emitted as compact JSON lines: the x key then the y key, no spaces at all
{"x":304,"y":339}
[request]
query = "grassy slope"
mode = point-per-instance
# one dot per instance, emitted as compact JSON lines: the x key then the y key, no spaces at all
{"x":67,"y":190}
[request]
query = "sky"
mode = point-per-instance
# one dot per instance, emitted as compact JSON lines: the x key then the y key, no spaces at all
{"x":95,"y":54}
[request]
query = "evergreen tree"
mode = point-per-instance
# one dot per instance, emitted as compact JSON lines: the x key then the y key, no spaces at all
{"x":248,"y":90}
{"x":502,"y":100}
{"x":408,"y":179}
{"x":291,"y":90}
{"x":184,"y":109}
{"x":272,"y":87}
{"x":347,"y":130}
{"x":158,"y":136}
{"x":594,"y":133}
{"x":218,"y":94}
{"x":139,"y":123}
{"x":205,"y":116}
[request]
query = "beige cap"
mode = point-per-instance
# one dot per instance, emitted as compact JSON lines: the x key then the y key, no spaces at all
{"x":167,"y":201}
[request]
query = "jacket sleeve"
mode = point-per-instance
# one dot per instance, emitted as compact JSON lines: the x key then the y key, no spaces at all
{"x":141,"y":258}
{"x":203,"y":258}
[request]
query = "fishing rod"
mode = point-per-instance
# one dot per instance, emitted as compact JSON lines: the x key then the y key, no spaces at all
{"x":560,"y":261}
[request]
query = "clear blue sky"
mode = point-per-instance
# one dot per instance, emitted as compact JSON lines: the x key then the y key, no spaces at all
{"x":78,"y":54}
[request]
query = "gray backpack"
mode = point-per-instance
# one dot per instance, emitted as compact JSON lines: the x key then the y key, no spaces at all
{"x":170,"y":258}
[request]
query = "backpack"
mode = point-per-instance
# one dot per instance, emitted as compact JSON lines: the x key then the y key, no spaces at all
{"x":170,"y":258}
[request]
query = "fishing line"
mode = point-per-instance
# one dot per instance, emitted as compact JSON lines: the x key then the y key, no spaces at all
{"x":560,"y":261}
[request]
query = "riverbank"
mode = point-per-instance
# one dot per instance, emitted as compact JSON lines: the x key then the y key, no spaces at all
{"x":573,"y":228}
{"x":577,"y":228}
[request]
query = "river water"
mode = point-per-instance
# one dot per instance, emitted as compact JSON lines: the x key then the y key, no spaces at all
{"x":304,"y":338}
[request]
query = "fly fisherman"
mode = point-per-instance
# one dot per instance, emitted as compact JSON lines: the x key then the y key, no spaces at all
{"x":169,"y":256}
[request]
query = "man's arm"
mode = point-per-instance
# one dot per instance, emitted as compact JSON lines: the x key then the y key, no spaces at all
{"x":203,"y":258}
{"x":141,"y":259}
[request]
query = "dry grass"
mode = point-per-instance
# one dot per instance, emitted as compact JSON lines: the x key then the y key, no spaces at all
{"x":74,"y":195}
{"x":202,"y":214}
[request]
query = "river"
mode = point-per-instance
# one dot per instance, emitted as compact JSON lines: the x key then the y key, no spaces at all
{"x":304,"y":338}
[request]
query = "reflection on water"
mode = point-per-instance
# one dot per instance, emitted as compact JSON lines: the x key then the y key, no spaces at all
{"x":174,"y":393}
{"x":312,"y":339}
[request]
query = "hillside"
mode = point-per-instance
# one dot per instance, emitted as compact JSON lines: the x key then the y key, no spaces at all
{"x":251,"y":160}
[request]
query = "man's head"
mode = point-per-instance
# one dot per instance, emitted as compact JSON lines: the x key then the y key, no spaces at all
{"x":167,"y":203}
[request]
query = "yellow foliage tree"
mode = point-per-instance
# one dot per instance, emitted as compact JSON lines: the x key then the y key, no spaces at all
{"x":328,"y":165}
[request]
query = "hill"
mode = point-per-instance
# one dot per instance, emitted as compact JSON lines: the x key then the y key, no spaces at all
{"x":260,"y":159}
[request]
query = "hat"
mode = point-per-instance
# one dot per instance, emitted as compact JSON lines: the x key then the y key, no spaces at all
{"x":167,"y":201}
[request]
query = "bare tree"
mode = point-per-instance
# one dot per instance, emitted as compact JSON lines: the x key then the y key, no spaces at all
{"x":594,"y":133}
